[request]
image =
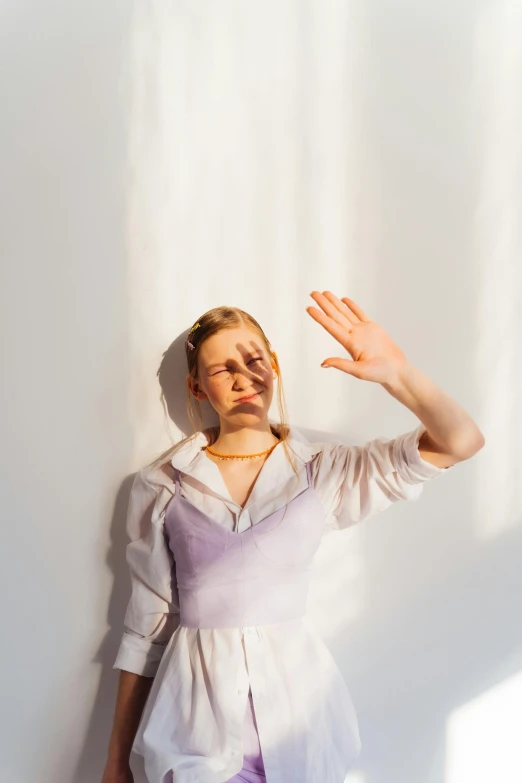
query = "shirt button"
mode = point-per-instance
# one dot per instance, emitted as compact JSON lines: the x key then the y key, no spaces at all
{"x":240,"y":691}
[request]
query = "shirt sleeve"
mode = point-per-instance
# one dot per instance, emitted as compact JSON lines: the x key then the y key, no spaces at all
{"x":152,"y":613}
{"x":357,"y":482}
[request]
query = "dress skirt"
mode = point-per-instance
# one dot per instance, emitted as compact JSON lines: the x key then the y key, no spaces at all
{"x":253,"y":770}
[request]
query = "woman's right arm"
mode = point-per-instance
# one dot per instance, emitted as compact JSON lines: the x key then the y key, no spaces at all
{"x":133,"y":690}
{"x":151,"y":618}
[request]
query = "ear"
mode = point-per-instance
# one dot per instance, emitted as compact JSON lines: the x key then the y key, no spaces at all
{"x":194,"y":389}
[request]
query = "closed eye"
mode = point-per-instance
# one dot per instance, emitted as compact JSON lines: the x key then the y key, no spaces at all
{"x":257,"y":359}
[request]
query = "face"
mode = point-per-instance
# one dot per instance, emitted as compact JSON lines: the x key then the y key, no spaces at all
{"x":233,"y":364}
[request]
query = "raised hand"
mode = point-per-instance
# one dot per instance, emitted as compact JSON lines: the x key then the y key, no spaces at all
{"x":375,"y":356}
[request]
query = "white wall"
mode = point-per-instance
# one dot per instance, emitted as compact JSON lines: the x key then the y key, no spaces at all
{"x":163,"y":158}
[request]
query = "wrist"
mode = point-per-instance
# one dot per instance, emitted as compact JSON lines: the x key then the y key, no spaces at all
{"x":118,"y":757}
{"x":401,"y":379}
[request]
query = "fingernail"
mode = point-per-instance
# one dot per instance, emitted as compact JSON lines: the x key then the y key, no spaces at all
{"x":326,"y":365}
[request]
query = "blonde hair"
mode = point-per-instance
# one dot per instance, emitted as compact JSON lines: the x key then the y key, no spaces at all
{"x":213,"y":321}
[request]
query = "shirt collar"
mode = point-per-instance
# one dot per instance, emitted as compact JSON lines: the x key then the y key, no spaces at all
{"x":190,"y":458}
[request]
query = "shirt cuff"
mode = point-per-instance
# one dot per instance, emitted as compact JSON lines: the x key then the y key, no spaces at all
{"x":138,"y":655}
{"x":419,"y":468}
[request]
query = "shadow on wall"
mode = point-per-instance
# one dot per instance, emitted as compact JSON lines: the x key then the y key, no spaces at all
{"x":94,"y":751}
{"x":171,"y":374}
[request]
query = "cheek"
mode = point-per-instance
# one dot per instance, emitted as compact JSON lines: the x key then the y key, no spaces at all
{"x":216,"y":388}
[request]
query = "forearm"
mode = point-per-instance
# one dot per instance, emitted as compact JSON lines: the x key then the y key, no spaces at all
{"x":448,"y":424}
{"x":133,"y":690}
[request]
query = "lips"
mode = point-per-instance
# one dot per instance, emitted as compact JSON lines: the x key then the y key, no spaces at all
{"x":247,"y":399}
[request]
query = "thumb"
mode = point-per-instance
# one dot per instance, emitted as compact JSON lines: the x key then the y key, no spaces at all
{"x":345,"y":365}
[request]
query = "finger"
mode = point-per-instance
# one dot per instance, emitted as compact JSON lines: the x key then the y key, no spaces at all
{"x":346,"y":365}
{"x":341,"y":333}
{"x":338,"y":314}
{"x":359,"y":312}
{"x":342,"y":306}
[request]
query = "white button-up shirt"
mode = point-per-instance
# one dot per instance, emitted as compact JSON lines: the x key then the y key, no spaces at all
{"x":353,"y":483}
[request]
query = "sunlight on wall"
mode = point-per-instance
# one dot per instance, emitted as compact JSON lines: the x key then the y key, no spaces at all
{"x":244,"y":171}
{"x":354,"y":777}
{"x":498,"y":289}
{"x":483,"y":737}
{"x":154,"y":294}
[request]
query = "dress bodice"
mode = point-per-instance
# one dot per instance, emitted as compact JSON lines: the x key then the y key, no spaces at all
{"x":257,"y":576}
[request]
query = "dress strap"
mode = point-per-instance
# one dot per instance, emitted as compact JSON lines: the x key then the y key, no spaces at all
{"x":308,"y":473}
{"x":176,"y":477}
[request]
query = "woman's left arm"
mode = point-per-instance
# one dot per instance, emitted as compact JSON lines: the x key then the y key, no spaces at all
{"x":451,"y":434}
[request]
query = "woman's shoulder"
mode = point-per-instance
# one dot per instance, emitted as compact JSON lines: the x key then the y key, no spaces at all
{"x":152,"y":478}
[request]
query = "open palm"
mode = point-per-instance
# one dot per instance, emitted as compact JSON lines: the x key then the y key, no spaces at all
{"x":375,"y":356}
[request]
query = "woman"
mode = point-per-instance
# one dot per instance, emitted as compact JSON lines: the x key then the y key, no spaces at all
{"x":221,"y":678}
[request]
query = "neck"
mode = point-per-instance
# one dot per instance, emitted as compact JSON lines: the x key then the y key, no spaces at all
{"x":245,"y":440}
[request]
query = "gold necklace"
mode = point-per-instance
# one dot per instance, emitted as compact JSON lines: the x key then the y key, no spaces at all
{"x":241,"y":456}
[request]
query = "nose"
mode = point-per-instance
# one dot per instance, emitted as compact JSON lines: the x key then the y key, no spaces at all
{"x":243,"y":382}
{"x":244,"y":386}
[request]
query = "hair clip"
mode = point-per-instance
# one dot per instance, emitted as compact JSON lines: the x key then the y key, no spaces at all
{"x":187,"y":341}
